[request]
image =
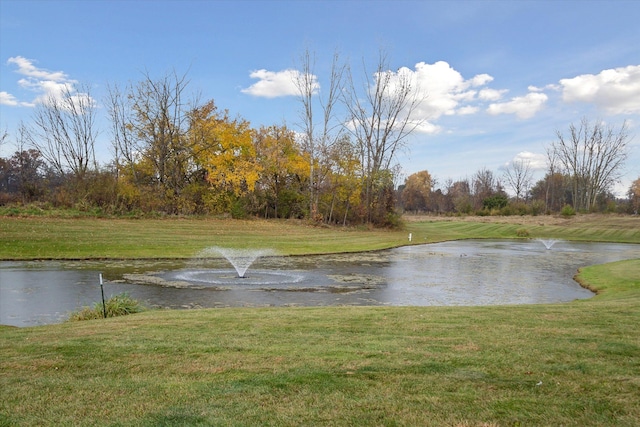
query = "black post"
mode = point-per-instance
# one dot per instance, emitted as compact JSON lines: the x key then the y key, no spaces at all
{"x":104,"y":306}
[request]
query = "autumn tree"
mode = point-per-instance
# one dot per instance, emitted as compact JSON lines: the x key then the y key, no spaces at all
{"x":459,"y":192}
{"x":284,"y":171}
{"x":343,"y":184}
{"x":416,"y":191}
{"x":223,"y":147}
{"x":381,"y":119}
{"x":593,"y":156}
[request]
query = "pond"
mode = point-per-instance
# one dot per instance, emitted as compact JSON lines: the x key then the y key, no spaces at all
{"x":467,"y":272}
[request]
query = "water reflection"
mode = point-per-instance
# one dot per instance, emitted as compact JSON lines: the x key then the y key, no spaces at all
{"x":480,"y":272}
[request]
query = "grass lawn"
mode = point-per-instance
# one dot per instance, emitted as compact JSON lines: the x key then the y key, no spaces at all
{"x":560,"y":364}
{"x":82,"y":238}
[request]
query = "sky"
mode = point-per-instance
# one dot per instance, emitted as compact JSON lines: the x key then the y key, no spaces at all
{"x":499,"y":78}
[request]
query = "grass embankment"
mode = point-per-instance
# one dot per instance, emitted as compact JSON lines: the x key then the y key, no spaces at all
{"x":83,"y":238}
{"x":561,"y":364}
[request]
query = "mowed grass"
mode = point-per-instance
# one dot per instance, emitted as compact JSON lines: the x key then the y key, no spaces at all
{"x":81,"y":238}
{"x":565,"y":364}
{"x":573,"y":364}
{"x":84,"y":238}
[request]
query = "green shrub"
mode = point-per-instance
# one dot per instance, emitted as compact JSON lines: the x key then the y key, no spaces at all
{"x":567,"y":211}
{"x":118,"y":305}
{"x":522,"y":232}
{"x":498,"y":201}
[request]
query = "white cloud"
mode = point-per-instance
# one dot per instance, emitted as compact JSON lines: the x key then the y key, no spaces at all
{"x":466,"y":110}
{"x":536,"y":161}
{"x":428,"y":128}
{"x":273,"y":84}
{"x":524,"y":107}
{"x":616,"y":91}
{"x":444,"y":90}
{"x":26,"y":68}
{"x":8,"y":99}
{"x":491,"y":94}
{"x":45,"y":84}
{"x":481,"y":80}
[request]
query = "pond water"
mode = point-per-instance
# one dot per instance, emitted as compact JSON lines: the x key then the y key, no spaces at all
{"x":468,"y":272}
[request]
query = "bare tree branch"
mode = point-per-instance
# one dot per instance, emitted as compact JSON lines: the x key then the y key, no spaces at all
{"x":593,"y":156}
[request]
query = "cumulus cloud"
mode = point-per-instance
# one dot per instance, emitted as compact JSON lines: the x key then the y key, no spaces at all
{"x":536,"y":161}
{"x":8,"y":99}
{"x":273,"y":84}
{"x":616,"y":91}
{"x":524,"y":107}
{"x":45,"y":84}
{"x":491,"y":94}
{"x":428,"y":128}
{"x":466,"y":110}
{"x":445,"y":90}
{"x":27,"y":68}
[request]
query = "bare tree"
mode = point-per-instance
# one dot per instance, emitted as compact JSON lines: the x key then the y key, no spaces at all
{"x":381,"y":120}
{"x":320,"y":133}
{"x":28,"y":166}
{"x":4,"y":136}
{"x":123,"y":141}
{"x":64,"y":131}
{"x":593,"y":156}
{"x":149,"y":125}
{"x":518,"y":176}
{"x":484,"y":185}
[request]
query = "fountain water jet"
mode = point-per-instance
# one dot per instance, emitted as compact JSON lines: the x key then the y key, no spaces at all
{"x":548,"y":243}
{"x":240,"y":259}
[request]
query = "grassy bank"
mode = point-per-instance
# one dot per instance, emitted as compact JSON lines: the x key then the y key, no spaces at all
{"x":562,"y":364}
{"x":73,"y":238}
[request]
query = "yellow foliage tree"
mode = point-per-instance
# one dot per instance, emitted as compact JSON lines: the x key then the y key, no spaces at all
{"x":416,"y":191}
{"x":345,"y":180}
{"x":283,"y":166}
{"x":224,"y":148}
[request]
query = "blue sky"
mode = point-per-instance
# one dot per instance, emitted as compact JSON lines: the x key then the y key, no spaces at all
{"x":500,"y":76}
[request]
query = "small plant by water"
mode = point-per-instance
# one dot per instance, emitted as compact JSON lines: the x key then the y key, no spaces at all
{"x":117,"y":305}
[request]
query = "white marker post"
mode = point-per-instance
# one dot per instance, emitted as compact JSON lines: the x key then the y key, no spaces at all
{"x":104,"y":306}
{"x":409,"y":236}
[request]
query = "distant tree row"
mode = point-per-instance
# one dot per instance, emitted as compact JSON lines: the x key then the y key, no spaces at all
{"x":173,"y":154}
{"x":582,"y":169}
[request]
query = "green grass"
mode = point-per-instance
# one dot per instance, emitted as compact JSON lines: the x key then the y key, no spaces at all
{"x":573,"y":364}
{"x":623,"y":229}
{"x":64,"y":238}
{"x":82,"y":238}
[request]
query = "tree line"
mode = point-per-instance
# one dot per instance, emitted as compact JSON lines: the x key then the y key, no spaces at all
{"x":582,"y":167}
{"x":177,"y":155}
